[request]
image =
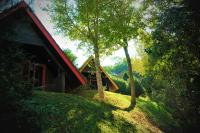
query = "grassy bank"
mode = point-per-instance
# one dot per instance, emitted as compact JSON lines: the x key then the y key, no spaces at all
{"x":82,"y":112}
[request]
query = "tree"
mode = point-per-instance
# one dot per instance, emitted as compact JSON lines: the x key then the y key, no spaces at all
{"x":138,"y":65}
{"x":123,"y":26}
{"x":118,"y":68}
{"x":72,"y":57}
{"x":83,"y":20}
{"x":174,"y":60}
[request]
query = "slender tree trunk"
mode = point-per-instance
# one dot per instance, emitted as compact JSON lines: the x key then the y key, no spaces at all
{"x":98,"y":72}
{"x":130,"y":72}
{"x":96,"y":52}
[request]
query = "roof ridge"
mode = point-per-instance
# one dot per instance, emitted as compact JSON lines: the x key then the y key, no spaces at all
{"x":101,"y":68}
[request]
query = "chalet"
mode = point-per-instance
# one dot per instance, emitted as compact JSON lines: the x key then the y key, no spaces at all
{"x":88,"y":70}
{"x":49,"y":68}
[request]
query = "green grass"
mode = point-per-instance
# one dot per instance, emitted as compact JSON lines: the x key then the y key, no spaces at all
{"x":82,"y":112}
{"x":146,"y":112}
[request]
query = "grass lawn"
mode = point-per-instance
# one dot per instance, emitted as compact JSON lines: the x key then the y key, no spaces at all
{"x":82,"y":112}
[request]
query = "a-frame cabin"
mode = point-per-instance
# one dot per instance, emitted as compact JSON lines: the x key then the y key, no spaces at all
{"x":49,"y":68}
{"x":88,"y":70}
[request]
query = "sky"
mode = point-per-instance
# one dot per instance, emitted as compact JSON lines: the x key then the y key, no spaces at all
{"x":64,"y":42}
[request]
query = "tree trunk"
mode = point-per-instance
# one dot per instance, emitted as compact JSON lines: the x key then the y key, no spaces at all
{"x":130,"y":72}
{"x":98,"y":72}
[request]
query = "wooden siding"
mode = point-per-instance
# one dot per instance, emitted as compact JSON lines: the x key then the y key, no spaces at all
{"x":88,"y":70}
{"x":24,"y":11}
{"x":21,"y":30}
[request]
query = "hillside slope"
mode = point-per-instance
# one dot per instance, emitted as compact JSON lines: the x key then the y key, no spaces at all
{"x":62,"y":113}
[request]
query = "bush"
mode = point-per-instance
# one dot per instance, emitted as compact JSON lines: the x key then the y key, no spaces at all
{"x":13,"y":87}
{"x":124,"y":86}
{"x":138,"y":88}
{"x":13,"y":90}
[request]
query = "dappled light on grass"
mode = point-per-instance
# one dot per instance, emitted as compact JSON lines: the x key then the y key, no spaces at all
{"x":157,"y":114}
{"x":61,"y":112}
{"x":116,"y":100}
{"x":147,"y":113}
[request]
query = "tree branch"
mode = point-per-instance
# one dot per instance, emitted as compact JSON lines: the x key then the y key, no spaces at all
{"x":72,"y":22}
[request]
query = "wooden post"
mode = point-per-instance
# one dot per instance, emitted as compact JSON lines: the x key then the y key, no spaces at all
{"x":34,"y":67}
{"x":43,"y":77}
{"x":62,"y":79}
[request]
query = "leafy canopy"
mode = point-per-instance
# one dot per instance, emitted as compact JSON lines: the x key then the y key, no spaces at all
{"x":82,"y":20}
{"x":72,"y":56}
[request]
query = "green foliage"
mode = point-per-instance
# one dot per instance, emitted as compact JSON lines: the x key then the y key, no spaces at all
{"x":72,"y":56}
{"x":159,"y":114}
{"x":123,"y":23}
{"x":118,"y":69}
{"x":84,"y":20}
{"x":13,"y":89}
{"x":124,"y":86}
{"x":138,"y":88}
{"x":138,"y":65}
{"x":125,"y":76}
{"x":172,"y":75}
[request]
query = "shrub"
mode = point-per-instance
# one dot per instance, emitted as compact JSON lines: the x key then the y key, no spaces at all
{"x":124,"y":86}
{"x":13,"y":90}
{"x":13,"y":87}
{"x":138,"y":88}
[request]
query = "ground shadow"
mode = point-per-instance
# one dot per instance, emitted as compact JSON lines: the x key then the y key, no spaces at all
{"x":70,"y":113}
